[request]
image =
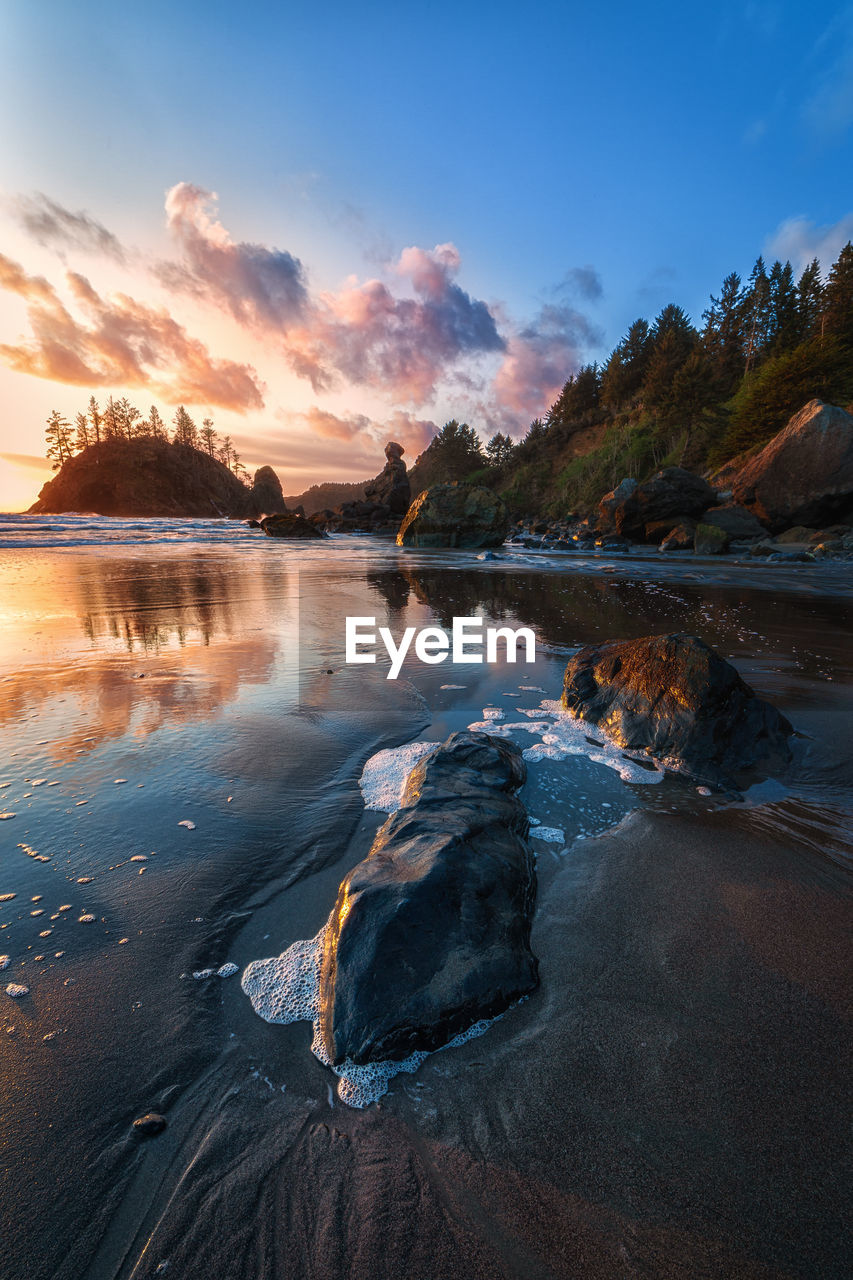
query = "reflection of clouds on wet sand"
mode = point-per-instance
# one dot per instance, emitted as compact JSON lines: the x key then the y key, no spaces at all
{"x":131,"y":646}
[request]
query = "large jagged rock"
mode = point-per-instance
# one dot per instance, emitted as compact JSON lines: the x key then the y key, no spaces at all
{"x":289,"y":525}
{"x":675,"y":698}
{"x":431,"y":932}
{"x":455,"y":515}
{"x":265,"y":496}
{"x":391,"y":487}
{"x":805,"y":474}
{"x":615,"y":501}
{"x":143,"y":477}
{"x":672,"y":492}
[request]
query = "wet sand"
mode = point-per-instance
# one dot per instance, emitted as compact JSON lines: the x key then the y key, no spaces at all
{"x":671,"y":1102}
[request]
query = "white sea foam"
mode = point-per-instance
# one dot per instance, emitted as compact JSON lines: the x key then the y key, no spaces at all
{"x":551,"y":835}
{"x":226,"y":970}
{"x":185,"y":822}
{"x":441,"y":686}
{"x":15,"y":990}
{"x":286,"y":989}
{"x":383,"y":779}
{"x":5,"y":961}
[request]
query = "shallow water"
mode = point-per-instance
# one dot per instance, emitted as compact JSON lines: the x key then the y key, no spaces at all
{"x":157,"y":672}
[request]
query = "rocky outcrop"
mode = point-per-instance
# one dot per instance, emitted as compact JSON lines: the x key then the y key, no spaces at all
{"x":144,"y":477}
{"x":673,"y":697}
{"x":455,"y":515}
{"x":672,"y":493}
{"x":805,"y":474}
{"x":391,"y":486}
{"x":734,"y":520}
{"x":265,"y":496}
{"x":431,"y":932}
{"x":289,"y":525}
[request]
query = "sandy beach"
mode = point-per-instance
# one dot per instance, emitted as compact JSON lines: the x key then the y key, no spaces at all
{"x":670,"y":1102}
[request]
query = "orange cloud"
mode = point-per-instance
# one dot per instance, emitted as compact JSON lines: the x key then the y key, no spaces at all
{"x":120,"y":342}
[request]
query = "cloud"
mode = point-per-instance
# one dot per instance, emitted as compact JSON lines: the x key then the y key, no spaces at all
{"x":28,"y":461}
{"x":367,"y":336}
{"x":363,"y":334}
{"x":51,"y":224}
{"x":540,"y":357}
{"x":583,"y":282}
{"x":414,"y":434}
{"x":262,"y":288}
{"x":800,"y":240}
{"x":119,"y":342}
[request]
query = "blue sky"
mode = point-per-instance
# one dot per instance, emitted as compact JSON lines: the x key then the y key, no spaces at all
{"x":661,"y":147}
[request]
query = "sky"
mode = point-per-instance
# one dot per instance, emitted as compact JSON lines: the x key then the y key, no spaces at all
{"x":327,"y":226}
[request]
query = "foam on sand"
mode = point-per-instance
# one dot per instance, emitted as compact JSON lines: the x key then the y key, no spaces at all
{"x":286,"y":989}
{"x":383,"y":779}
{"x":16,"y":991}
{"x":561,"y":735}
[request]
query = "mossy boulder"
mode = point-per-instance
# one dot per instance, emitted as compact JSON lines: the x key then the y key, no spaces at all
{"x":455,"y":515}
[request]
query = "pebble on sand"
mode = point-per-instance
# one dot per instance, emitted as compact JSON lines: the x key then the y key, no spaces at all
{"x":150,"y":1124}
{"x":86,"y":919}
{"x":4,"y":816}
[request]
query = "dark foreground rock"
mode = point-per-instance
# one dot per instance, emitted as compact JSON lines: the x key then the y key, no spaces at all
{"x":805,"y":474}
{"x":431,"y":932}
{"x":289,"y":525}
{"x":455,"y":515}
{"x":150,"y":1125}
{"x":675,"y":698}
{"x":710,"y":540}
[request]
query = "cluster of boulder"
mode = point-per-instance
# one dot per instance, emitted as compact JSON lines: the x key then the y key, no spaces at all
{"x":793,"y":498}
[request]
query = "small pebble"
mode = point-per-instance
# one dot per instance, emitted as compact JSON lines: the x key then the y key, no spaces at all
{"x":139,"y":857}
{"x":86,"y":919}
{"x":85,"y":880}
{"x":7,"y":897}
{"x":4,"y":816}
{"x":150,"y":1124}
{"x":45,"y":933}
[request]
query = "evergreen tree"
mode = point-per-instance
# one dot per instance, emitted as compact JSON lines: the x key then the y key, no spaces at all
{"x":759,"y":313}
{"x":673,"y":338}
{"x":623,"y":374}
{"x":837,"y":318}
{"x":784,"y":309}
{"x":499,"y":449}
{"x":81,"y":439}
{"x":226,"y":452}
{"x":58,"y":436}
{"x":207,"y":436}
{"x":809,"y":300}
{"x":724,"y":337}
{"x":111,"y":423}
{"x":95,"y":419}
{"x":156,"y":425}
{"x":186,"y":432}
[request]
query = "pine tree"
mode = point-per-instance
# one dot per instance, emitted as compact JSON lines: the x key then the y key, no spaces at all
{"x":156,"y":425}
{"x":81,"y":440}
{"x":809,"y":301}
{"x":837,"y":317}
{"x":207,"y":436}
{"x":111,"y":423}
{"x":626,"y":367}
{"x":58,"y":436}
{"x":186,"y":432}
{"x":95,"y":419}
{"x":499,"y":449}
{"x":784,"y":309}
{"x":226,"y":452}
{"x":724,"y":337}
{"x":758,"y":308}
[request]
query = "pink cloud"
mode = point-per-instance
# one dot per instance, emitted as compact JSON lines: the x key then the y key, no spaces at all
{"x":119,"y":342}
